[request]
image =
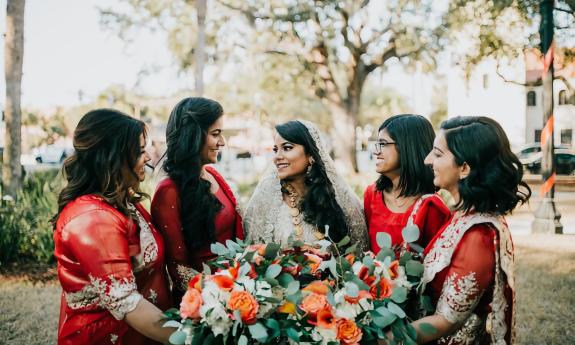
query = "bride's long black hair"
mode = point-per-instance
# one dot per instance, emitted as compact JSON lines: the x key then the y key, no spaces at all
{"x":319,"y":206}
{"x":186,"y":136}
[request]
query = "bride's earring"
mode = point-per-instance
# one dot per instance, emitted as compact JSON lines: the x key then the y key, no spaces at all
{"x":311,"y":161}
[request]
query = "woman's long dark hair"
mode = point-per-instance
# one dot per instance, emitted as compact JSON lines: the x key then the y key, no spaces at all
{"x":413,"y":136}
{"x":186,"y":136}
{"x":104,"y":141}
{"x":319,"y":206}
{"x":494,"y":184}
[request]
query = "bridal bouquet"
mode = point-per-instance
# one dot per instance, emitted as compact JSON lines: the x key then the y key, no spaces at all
{"x":317,"y":294}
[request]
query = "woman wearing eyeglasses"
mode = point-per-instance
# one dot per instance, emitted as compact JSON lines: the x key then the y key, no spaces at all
{"x":404,"y":193}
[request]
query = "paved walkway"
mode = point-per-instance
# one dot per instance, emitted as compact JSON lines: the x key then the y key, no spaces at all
{"x":521,"y":219}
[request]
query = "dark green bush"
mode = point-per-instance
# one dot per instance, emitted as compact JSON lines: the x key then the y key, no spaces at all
{"x":26,"y":231}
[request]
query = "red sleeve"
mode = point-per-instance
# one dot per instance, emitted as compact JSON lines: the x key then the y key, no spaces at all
{"x":367,"y":196}
{"x":166,"y":218}
{"x":470,"y":274}
{"x":98,"y":239}
{"x":431,"y":218}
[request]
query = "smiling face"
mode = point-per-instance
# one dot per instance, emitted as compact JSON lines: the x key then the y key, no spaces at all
{"x":446,"y":173}
{"x":138,"y":173}
{"x":290,"y":159}
{"x":387,"y":159}
{"x":214,"y":141}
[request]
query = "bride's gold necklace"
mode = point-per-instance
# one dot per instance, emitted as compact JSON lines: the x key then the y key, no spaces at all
{"x":295,"y":213}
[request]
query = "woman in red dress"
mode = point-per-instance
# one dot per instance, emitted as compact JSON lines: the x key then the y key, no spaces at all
{"x":194,"y":207}
{"x":110,"y":257}
{"x":468,"y":265}
{"x":404,"y":193}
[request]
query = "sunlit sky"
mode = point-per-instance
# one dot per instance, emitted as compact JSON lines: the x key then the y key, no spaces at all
{"x":66,"y":51}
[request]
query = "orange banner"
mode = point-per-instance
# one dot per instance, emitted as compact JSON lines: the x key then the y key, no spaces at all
{"x":547,"y":131}
{"x":547,"y":185}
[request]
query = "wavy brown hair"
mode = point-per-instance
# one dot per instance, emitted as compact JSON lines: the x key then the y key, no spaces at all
{"x":105,"y":140}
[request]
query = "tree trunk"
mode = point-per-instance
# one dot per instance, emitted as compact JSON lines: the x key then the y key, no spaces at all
{"x":13,"y":57}
{"x":343,"y":137}
{"x":201,"y":9}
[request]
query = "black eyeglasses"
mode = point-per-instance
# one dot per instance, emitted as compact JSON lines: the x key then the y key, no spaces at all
{"x":377,"y":147}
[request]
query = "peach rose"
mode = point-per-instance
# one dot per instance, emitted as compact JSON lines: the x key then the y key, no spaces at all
{"x":348,"y":332}
{"x":190,"y":305}
{"x":318,"y":287}
{"x":246,"y":304}
{"x":259,"y":248}
{"x":313,"y":303}
{"x":382,"y":289}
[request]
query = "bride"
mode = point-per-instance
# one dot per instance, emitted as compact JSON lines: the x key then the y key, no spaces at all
{"x":304,"y":195}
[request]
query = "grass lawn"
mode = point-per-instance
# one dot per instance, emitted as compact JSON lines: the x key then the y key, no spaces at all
{"x":545,"y":278}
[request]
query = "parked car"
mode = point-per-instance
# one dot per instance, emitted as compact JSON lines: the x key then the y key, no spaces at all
{"x":529,"y":153}
{"x":564,"y":162}
{"x":52,"y":154}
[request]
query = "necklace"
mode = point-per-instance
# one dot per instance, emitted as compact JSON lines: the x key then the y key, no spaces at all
{"x":295,"y":213}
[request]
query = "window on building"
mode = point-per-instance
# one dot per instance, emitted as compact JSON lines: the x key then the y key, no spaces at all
{"x":531,"y":99}
{"x":566,"y":137}
{"x":485,"y":81}
{"x":537,"y":135}
{"x":562,"y":97}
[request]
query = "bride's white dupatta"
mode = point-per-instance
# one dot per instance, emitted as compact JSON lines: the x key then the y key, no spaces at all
{"x":266,"y":219}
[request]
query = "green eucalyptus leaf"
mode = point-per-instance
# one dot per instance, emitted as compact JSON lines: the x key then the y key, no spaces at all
{"x":272,"y":250}
{"x":243,"y":340}
{"x":258,"y":332}
{"x":394,"y":308}
{"x":219,"y":249}
{"x":172,"y":323}
{"x":383,"y":240}
{"x":414,"y":268}
{"x":399,"y":294}
{"x":273,"y":271}
{"x":178,"y":338}
{"x":284,"y":279}
{"x":344,"y":242}
{"x":293,"y":287}
{"x":410,"y":233}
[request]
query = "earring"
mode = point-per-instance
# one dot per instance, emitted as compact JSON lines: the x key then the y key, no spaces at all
{"x":309,"y":168}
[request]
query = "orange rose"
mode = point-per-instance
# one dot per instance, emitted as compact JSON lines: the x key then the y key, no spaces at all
{"x":246,"y":304}
{"x":350,"y":258}
{"x":313,"y":303}
{"x":196,"y":282}
{"x":363,"y":274}
{"x":325,"y":319}
{"x":393,"y":269}
{"x":223,"y":282}
{"x":355,"y":300}
{"x":190,"y":305}
{"x":318,"y":287}
{"x":348,"y":332}
{"x":382,"y":289}
{"x":313,"y":261}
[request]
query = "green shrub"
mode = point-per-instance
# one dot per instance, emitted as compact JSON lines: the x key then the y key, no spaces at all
{"x":26,"y":231}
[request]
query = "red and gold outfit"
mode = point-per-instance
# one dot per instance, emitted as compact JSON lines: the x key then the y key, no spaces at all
{"x":429,"y":213}
{"x":183,"y":263}
{"x":107,"y":263}
{"x":469,"y":277}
